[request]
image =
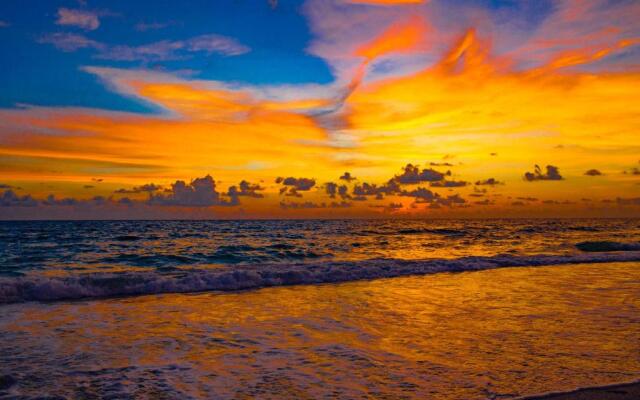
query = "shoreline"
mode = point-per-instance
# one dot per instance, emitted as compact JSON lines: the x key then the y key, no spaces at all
{"x":615,"y":391}
{"x":247,"y":277}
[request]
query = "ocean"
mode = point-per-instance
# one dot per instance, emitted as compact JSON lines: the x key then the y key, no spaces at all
{"x":446,"y":309}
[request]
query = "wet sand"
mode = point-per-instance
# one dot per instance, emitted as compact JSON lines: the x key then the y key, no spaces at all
{"x":625,"y":391}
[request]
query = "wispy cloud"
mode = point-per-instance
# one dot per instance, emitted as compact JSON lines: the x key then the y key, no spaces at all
{"x":151,"y":26}
{"x":83,"y":19}
{"x":70,"y":41}
{"x":4,"y":24}
{"x":156,"y":51}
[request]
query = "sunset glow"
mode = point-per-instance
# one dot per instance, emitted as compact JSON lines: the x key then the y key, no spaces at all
{"x":474,"y":94}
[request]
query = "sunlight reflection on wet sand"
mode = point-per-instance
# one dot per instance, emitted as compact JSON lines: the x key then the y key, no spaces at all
{"x":469,"y":335}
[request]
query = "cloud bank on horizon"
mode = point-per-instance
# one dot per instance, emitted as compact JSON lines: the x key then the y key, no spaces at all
{"x":336,"y":108}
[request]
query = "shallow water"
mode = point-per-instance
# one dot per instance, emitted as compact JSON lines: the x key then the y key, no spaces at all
{"x":470,"y":335}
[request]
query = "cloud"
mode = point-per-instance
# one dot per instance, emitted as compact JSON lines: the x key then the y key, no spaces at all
{"x":360,"y":191}
{"x":422,"y":195}
{"x":552,"y":174}
{"x":4,"y":24}
{"x":5,"y":186}
{"x":448,"y":184}
{"x":593,"y":172}
{"x":246,"y":189}
{"x":163,"y":50}
{"x":311,"y":205}
{"x":201,"y":192}
{"x":333,"y":189}
{"x":489,"y":182}
{"x":412,"y":174}
{"x":10,"y":199}
{"x":347,"y":177}
{"x":79,"y":18}
{"x":69,"y":42}
{"x":175,"y":49}
{"x":295,"y":185}
{"x":52,"y":201}
{"x":451,"y":200}
{"x":146,"y":188}
{"x":217,"y":44}
{"x":143,"y":27}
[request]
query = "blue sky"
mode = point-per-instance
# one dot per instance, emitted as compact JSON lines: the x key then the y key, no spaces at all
{"x":40,"y":74}
{"x":276,"y":32}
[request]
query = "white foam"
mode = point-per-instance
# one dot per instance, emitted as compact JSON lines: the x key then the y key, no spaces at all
{"x":97,"y":285}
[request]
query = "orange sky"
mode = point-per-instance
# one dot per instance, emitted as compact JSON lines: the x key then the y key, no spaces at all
{"x":470,"y":109}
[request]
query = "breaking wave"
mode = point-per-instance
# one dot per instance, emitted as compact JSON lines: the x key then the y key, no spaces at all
{"x":603,"y":246}
{"x":242,"y":277}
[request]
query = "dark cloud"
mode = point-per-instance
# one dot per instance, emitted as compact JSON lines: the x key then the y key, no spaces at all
{"x":97,"y":179}
{"x":88,"y":187}
{"x":201,"y":192}
{"x":556,"y":202}
{"x":527,"y":198}
{"x":412,"y":175}
{"x":10,"y":199}
{"x":391,"y":207}
{"x":489,"y":182}
{"x":147,"y":188}
{"x":518,"y":203}
{"x":593,"y":172}
{"x":311,"y":205}
{"x":443,"y":164}
{"x":246,"y":189}
{"x":333,"y":189}
{"x":294,"y":185}
{"x":448,"y":184}
{"x":52,"y":201}
{"x":126,"y":201}
{"x":347,"y":177}
{"x":552,"y":174}
{"x":379,"y":191}
{"x":450,"y":200}
{"x":5,"y":186}
{"x":422,"y":195}
{"x":301,"y":184}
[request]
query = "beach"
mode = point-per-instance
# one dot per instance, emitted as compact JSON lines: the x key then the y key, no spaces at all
{"x":500,"y":333}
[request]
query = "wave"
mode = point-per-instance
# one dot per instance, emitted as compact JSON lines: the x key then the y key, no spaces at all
{"x":242,"y":277}
{"x":602,"y":246}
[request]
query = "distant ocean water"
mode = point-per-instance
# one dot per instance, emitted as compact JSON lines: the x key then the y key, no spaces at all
{"x":53,"y":260}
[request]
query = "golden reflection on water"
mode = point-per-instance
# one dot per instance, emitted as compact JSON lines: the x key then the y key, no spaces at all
{"x":452,"y":336}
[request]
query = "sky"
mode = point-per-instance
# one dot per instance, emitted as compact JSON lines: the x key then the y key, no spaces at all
{"x":319,"y":109}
